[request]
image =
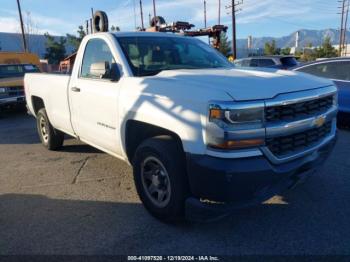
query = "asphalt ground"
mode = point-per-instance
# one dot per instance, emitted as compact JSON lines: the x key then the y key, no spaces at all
{"x":80,"y":201}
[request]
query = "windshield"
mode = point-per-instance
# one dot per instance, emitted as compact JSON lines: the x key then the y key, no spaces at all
{"x":7,"y":71}
{"x":151,"y":55}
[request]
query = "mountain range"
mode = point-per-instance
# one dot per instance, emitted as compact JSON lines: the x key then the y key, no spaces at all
{"x":315,"y":37}
{"x":13,"y":41}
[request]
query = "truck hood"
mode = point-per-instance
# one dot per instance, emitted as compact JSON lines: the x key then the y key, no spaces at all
{"x":243,"y":84}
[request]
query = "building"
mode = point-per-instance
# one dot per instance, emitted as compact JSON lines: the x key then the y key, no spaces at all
{"x":346,"y":51}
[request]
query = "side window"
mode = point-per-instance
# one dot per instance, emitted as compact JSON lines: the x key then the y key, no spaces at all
{"x":289,"y":61}
{"x":335,"y":70}
{"x":266,"y":62}
{"x":238,"y":62}
{"x":254,"y":63}
{"x":262,"y":63}
{"x":98,"y":61}
{"x":245,"y":62}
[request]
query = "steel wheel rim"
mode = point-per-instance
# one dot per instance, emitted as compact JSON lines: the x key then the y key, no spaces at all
{"x":43,"y":129}
{"x":156,"y":181}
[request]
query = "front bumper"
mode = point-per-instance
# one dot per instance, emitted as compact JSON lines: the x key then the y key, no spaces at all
{"x":237,"y":183}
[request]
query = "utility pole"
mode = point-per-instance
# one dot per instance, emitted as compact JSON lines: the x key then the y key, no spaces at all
{"x":346,"y":27}
{"x":233,"y":14}
{"x":141,"y":12}
{"x":22,"y":27}
{"x":205,"y":18}
{"x":154,"y":9}
{"x":205,"y":14}
{"x":219,"y":13}
{"x":234,"y":37}
{"x":341,"y":42}
{"x":92,"y":20}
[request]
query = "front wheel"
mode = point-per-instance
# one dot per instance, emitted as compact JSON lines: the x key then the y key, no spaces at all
{"x":160,"y":177}
{"x":50,"y":137}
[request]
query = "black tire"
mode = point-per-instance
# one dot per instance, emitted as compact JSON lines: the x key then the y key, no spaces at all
{"x":170,"y":154}
{"x":100,"y":22}
{"x":50,"y":137}
{"x":158,"y":20}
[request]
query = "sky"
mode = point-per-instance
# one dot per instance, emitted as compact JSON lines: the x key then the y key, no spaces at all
{"x":256,"y":17}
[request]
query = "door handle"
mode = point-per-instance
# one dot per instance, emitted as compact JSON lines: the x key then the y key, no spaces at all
{"x":75,"y":89}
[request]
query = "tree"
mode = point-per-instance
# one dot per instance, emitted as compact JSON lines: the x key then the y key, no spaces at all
{"x":285,"y":51}
{"x":225,"y":46}
{"x":270,"y":48}
{"x":326,"y":50}
{"x":31,"y":29}
{"x":55,"y":50}
{"x":75,"y":41}
{"x":309,"y":45}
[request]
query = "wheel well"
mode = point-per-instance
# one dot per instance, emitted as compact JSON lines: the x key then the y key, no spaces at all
{"x":38,"y":104}
{"x":136,"y":132}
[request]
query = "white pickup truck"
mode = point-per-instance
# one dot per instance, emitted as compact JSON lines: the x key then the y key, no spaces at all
{"x":202,"y":136}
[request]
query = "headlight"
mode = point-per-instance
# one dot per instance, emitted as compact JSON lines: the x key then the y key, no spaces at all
{"x":235,"y":125}
{"x":236,"y":115}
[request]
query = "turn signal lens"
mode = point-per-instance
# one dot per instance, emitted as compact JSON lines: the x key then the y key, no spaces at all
{"x":237,"y":144}
{"x":215,"y":113}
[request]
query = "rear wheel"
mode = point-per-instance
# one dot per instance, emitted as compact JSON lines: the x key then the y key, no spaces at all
{"x":160,"y":177}
{"x":50,"y":137}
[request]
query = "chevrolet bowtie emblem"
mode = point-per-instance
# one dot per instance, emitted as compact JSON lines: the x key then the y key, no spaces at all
{"x":320,"y":121}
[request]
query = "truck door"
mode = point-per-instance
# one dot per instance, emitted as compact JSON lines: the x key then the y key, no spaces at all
{"x":93,"y":97}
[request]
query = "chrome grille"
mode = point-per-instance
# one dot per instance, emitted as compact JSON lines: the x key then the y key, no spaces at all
{"x":298,"y":110}
{"x":287,"y":145}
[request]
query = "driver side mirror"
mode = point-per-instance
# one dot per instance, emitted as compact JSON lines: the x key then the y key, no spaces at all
{"x":114,"y":72}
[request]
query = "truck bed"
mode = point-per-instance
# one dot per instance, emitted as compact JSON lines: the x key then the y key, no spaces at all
{"x":51,"y":88}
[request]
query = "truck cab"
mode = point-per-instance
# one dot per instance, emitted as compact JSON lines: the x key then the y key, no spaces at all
{"x":199,"y":133}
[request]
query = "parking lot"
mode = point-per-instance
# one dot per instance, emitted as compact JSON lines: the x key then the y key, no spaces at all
{"x":82,"y":201}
